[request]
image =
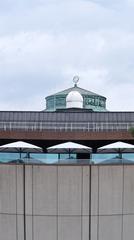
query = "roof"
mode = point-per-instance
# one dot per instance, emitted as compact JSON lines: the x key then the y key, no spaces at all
{"x":77,"y":116}
{"x":76,"y":88}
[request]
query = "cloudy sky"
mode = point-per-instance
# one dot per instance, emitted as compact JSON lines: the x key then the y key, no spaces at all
{"x":44,"y":43}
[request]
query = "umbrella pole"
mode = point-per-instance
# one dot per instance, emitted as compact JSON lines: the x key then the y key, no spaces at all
{"x":90,"y":158}
{"x":58,"y":157}
{"x":69,"y":152}
{"x":28,"y":157}
{"x":120,"y":154}
{"x":20,"y":153}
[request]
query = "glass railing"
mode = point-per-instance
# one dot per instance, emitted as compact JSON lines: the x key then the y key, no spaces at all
{"x":97,"y":159}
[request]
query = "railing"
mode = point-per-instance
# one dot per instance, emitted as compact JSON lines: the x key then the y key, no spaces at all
{"x":66,"y":126}
{"x":70,"y":162}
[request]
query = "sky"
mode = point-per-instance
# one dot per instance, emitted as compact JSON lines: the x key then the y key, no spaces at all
{"x":45,"y":43}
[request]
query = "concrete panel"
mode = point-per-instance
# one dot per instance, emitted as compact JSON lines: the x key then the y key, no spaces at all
{"x":69,"y":190}
{"x":110,"y":227}
{"x":85,"y":228}
{"x":8,"y":227}
{"x":128,"y":227}
{"x":29,"y":189}
{"x":45,"y":190}
{"x":20,"y":189}
{"x":94,"y":228}
{"x":20,"y":227}
{"x":69,"y":228}
{"x":128,"y":189}
{"x":29,"y":228}
{"x":45,"y":228}
{"x":110,"y":189}
{"x":94,"y":190}
{"x":85,"y":188}
{"x":8,"y":179}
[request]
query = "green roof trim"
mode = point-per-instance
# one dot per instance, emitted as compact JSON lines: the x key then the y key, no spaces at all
{"x":75,"y":88}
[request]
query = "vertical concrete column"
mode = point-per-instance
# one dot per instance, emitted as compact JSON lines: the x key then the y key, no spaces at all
{"x":70,"y":180}
{"x":94,"y":228}
{"x":110,"y":202}
{"x":128,"y":203}
{"x":20,"y":202}
{"x":94,"y":190}
{"x":69,"y":190}
{"x":128,"y":189}
{"x":69,"y":228}
{"x":110,"y":190}
{"x":45,"y":202}
{"x":28,"y":201}
{"x":8,"y":202}
{"x":106,"y":202}
{"x":94,"y":203}
{"x":45,"y":190}
{"x":8,"y":184}
{"x":110,"y":227}
{"x":85,"y":202}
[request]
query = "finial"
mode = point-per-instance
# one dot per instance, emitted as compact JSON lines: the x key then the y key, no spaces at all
{"x":76,"y":80}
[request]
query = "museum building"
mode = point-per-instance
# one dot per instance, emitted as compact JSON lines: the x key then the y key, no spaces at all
{"x":67,"y":201}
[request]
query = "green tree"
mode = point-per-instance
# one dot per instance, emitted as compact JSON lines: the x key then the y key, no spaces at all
{"x":131,"y":131}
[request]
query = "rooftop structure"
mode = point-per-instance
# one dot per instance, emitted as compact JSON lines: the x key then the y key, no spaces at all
{"x":91,"y":100}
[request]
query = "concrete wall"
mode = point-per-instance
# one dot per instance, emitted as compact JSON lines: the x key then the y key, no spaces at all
{"x":66,"y":202}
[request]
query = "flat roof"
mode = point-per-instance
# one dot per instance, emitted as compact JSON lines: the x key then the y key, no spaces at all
{"x":66,"y":116}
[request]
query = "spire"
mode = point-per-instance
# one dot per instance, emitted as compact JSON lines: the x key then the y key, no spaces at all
{"x":76,"y":80}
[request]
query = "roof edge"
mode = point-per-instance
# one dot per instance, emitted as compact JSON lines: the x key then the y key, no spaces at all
{"x":75,"y":88}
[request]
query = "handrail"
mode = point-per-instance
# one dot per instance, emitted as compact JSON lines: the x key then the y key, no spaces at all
{"x":66,"y":126}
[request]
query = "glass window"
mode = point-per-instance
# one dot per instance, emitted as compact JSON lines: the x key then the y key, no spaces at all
{"x":50,"y":104}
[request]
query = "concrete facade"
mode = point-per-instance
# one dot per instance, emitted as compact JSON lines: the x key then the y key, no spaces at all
{"x":58,"y":202}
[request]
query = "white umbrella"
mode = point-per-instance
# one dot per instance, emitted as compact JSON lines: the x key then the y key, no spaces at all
{"x":117,"y":147}
{"x":69,"y":147}
{"x":21,"y":147}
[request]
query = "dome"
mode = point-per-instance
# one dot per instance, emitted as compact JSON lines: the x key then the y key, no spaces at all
{"x":74,"y":100}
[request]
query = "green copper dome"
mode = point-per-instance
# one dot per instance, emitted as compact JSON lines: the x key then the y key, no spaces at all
{"x":91,"y":100}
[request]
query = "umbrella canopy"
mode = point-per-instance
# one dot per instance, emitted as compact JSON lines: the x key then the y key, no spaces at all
{"x":69,"y":147}
{"x":117,"y":147}
{"x":20,"y":146}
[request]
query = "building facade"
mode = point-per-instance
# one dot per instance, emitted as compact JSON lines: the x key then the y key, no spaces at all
{"x":67,"y":202}
{"x":58,"y":202}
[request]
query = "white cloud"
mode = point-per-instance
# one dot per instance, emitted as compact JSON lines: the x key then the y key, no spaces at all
{"x":43,"y":44}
